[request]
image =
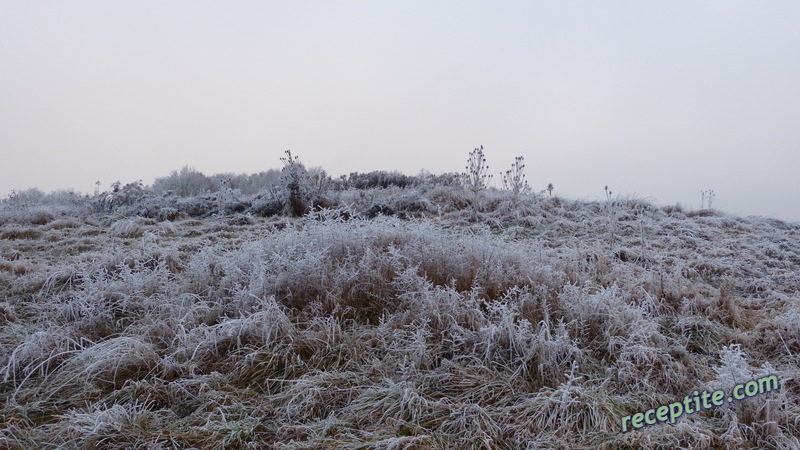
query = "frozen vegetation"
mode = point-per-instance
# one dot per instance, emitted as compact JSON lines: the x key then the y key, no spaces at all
{"x":289,"y":310}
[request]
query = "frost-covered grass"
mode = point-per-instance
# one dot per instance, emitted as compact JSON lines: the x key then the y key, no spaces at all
{"x":426,"y":317}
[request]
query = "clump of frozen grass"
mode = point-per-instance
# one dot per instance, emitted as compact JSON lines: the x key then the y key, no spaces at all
{"x":395,"y":403}
{"x":110,"y":362}
{"x":15,"y":268}
{"x":132,"y":425}
{"x":108,"y":294}
{"x":261,"y":341}
{"x":126,"y":228}
{"x":38,"y":353}
{"x":472,"y":425}
{"x":645,"y":362}
{"x":786,"y":330}
{"x":318,"y":394}
{"x":65,"y":223}
{"x":18,"y":232}
{"x":448,"y":313}
{"x":508,"y":340}
{"x":7,"y":313}
{"x":598,"y":315}
{"x":575,"y":410}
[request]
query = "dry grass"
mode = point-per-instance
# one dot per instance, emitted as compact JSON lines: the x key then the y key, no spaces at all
{"x":468,"y":323}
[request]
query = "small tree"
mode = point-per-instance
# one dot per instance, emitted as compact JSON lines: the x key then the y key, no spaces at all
{"x":550,"y":189}
{"x":477,"y":176}
{"x":514,"y":178}
{"x":294,"y":177}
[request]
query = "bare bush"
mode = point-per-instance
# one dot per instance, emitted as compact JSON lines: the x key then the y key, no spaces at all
{"x":477,"y":175}
{"x":514,"y":178}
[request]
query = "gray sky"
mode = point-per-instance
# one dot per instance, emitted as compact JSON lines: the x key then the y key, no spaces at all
{"x":654,"y":99}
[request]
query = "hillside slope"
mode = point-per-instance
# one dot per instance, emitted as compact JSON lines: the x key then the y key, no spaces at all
{"x":425,"y":317}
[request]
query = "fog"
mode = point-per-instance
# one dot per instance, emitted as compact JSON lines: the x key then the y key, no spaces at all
{"x":655,"y":101}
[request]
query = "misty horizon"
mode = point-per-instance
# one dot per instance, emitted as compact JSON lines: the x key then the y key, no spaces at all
{"x":659,"y":102}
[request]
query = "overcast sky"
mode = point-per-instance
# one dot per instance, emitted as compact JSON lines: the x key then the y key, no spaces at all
{"x":654,"y":99}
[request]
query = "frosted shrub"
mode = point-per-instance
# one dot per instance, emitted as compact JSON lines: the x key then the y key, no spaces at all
{"x":295,"y":179}
{"x":756,"y":417}
{"x":184,"y":183}
{"x":733,"y":368}
{"x":198,"y":206}
{"x":379,"y":179}
{"x":167,"y":214}
{"x":377,"y":209}
{"x":413,"y":205}
{"x":266,"y":207}
{"x":123,"y":198}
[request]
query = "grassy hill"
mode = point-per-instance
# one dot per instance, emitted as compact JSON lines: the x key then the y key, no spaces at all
{"x":421,"y":316}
